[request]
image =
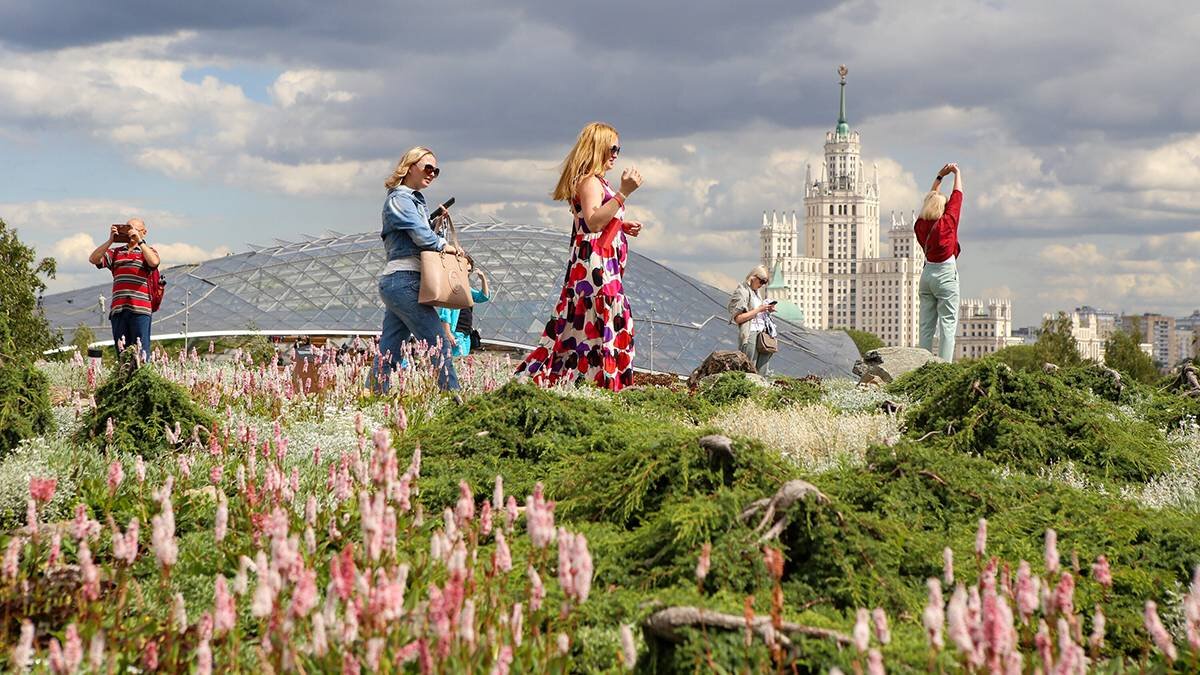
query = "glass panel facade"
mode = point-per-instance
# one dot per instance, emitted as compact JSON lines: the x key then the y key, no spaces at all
{"x":330,"y":284}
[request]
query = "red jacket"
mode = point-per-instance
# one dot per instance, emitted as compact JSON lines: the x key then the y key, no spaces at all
{"x":943,"y":243}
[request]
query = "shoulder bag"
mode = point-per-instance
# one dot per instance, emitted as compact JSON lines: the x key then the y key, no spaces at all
{"x":767,"y":342}
{"x":444,"y":281}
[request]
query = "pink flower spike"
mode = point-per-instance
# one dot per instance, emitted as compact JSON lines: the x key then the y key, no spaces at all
{"x":109,"y":429}
{"x":537,"y":591}
{"x":882,"y":633}
{"x":981,"y":538}
{"x":862,"y":630}
{"x":503,"y":556}
{"x":875,"y":663}
{"x":705,"y":561}
{"x":42,"y":489}
{"x":1096,"y":639}
{"x":498,"y":492}
{"x":1101,"y":572}
{"x":933,"y":617}
{"x":464,"y":511}
{"x":1026,"y":592}
{"x":1158,"y":632}
{"x":628,"y":649}
{"x":1052,"y":564}
{"x":948,"y":566}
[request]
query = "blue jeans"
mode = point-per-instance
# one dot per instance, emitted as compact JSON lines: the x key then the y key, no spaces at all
{"x":939,"y":307}
{"x":132,"y":327}
{"x":403,"y":318}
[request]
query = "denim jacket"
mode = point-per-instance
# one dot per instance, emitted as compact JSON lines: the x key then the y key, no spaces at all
{"x":406,"y":231}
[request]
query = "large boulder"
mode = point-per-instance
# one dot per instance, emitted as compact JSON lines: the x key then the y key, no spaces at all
{"x":888,"y":363}
{"x":721,"y":361}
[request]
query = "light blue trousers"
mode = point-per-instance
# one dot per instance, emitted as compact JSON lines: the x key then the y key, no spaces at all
{"x":939,"y":307}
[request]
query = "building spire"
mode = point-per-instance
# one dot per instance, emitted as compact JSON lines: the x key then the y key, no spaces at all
{"x":843,"y":128}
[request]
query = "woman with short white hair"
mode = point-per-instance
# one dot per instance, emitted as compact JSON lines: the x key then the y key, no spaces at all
{"x":937,"y":232}
{"x":751,"y":313}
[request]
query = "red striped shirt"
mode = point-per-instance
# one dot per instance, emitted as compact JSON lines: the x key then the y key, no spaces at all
{"x":131,"y":279}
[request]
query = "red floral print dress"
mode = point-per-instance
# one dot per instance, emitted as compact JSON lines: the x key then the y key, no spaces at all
{"x":590,"y":336}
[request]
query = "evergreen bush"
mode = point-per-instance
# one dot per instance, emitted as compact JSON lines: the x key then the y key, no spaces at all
{"x":142,"y":405}
{"x":1032,"y":420}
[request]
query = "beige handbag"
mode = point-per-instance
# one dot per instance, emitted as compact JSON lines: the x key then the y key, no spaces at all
{"x":444,"y":277}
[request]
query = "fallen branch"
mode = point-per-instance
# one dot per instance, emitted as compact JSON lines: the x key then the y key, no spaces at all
{"x":666,"y":623}
{"x":774,"y":508}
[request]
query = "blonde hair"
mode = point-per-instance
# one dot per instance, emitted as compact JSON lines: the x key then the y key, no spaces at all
{"x":934,"y":206}
{"x":587,"y":158}
{"x":761,"y":273}
{"x":411,"y":157}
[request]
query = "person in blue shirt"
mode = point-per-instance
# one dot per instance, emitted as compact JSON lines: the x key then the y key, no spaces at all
{"x":406,"y":232}
{"x":460,"y":336}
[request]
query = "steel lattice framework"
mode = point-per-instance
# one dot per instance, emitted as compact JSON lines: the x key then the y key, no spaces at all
{"x":329,"y":286}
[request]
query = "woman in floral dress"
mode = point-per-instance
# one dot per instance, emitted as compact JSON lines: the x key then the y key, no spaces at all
{"x":590,"y":335}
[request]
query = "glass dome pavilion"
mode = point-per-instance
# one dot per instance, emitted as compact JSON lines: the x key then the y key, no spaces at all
{"x":328,"y":286}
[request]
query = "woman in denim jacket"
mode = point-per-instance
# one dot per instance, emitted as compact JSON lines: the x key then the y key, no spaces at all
{"x":407,"y":232}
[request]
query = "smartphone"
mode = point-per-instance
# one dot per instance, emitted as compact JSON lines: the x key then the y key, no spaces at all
{"x":122,"y":233}
{"x":442,"y":209}
{"x":773,"y":303}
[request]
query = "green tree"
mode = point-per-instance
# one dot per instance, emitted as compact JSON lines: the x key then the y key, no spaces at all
{"x":24,"y":332}
{"x":1122,"y":352}
{"x":1021,"y":357}
{"x":24,"y":335}
{"x":864,"y":341}
{"x":83,"y":337}
{"x":1056,"y":344}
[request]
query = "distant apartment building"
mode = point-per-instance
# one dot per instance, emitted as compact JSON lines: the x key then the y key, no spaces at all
{"x":1159,"y":332}
{"x":1187,"y":335}
{"x":984,"y":327}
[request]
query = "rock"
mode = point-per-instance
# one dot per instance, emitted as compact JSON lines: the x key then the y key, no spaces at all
{"x":888,"y":363}
{"x":717,"y":446}
{"x":721,"y":361}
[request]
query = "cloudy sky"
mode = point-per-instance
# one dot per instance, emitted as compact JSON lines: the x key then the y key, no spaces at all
{"x":233,"y":122}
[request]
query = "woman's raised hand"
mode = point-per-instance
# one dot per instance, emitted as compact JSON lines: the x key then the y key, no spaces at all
{"x":631,"y":179}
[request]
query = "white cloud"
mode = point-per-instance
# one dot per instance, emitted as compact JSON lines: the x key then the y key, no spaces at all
{"x":69,"y":251}
{"x":39,"y":216}
{"x":348,"y":177}
{"x":180,"y":253}
{"x":1072,"y":256}
{"x":300,"y":86}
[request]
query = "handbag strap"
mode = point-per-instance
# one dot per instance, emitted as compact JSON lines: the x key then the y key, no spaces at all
{"x":453,"y":230}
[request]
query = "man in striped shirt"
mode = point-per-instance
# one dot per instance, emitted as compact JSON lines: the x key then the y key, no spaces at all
{"x":131,"y":265}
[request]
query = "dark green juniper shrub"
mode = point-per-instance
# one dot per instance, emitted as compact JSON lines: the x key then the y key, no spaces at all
{"x":920,"y":383}
{"x":1093,"y":377}
{"x":141,"y":404}
{"x":1031,"y":420}
{"x":728,"y":387}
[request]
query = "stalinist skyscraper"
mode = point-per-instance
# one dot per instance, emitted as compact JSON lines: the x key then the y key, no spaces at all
{"x":834,"y":270}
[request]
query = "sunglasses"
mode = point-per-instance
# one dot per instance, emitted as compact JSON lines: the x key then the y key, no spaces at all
{"x":615,"y":150}
{"x":431,"y":170}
